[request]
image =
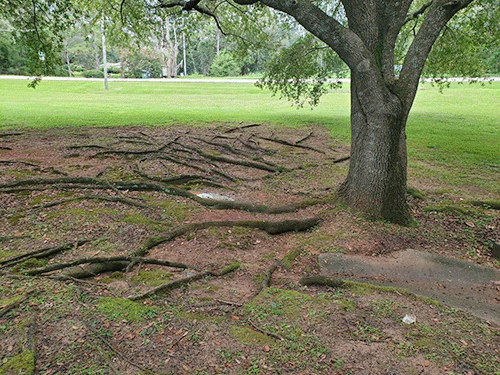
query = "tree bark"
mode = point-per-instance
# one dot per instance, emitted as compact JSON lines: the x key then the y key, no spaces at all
{"x":376,"y":181}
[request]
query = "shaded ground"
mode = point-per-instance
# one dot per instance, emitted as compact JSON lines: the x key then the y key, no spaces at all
{"x":128,"y":192}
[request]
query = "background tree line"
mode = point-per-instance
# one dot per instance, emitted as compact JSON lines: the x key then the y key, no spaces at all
{"x":170,"y":50}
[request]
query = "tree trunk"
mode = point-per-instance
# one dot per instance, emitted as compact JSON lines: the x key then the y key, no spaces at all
{"x":376,"y":181}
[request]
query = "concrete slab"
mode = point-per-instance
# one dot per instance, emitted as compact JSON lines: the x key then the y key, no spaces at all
{"x":460,"y":284}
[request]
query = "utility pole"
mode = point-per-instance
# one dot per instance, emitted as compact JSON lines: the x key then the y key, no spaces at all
{"x":184,"y":52}
{"x":218,"y":41}
{"x":104,"y":58}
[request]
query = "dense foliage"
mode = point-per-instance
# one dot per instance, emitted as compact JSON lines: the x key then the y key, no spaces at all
{"x":63,"y":32}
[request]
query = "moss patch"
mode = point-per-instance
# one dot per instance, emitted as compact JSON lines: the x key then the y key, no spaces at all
{"x":113,"y":277}
{"x":248,"y":336}
{"x":94,"y":213}
{"x":152,"y":277}
{"x":122,"y":308}
{"x":282,"y":302}
{"x":29,"y":264}
{"x":23,"y":363}
{"x":291,"y":256}
{"x":9,"y":300}
{"x":5,"y":254}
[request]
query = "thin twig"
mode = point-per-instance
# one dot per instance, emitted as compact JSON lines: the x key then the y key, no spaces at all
{"x":179,"y":339}
{"x":270,"y":334}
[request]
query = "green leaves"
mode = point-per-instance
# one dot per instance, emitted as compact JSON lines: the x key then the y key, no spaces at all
{"x":39,"y":25}
{"x":300,"y":72}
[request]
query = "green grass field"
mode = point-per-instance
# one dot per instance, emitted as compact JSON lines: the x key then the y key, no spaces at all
{"x":457,"y":128}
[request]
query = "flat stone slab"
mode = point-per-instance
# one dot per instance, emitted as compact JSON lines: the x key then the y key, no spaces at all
{"x":460,"y":284}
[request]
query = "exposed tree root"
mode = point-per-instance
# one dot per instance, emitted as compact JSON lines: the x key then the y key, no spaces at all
{"x":271,"y":227}
{"x":266,"y":282}
{"x":244,"y":163}
{"x":322,"y":280}
{"x":91,"y":197}
{"x":41,"y":253}
{"x":196,"y":167}
{"x":183,"y":179}
{"x":340,"y":160}
{"x":286,"y":143}
{"x":128,"y":152}
{"x":304,"y":138}
{"x":267,"y":333}
{"x":76,"y":147}
{"x":14,"y":305}
{"x":489,"y":204}
{"x":239,"y":152}
{"x":119,"y":262}
{"x":178,"y":283}
{"x":239,"y":128}
{"x":18,"y":162}
{"x":9,"y":134}
{"x":93,"y":183}
{"x":95,"y":269}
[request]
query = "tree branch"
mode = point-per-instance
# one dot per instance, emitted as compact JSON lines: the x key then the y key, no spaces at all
{"x":438,"y":15}
{"x":419,"y":11}
{"x":189,"y":5}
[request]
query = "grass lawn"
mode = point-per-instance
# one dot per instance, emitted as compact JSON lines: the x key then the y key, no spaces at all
{"x":457,"y":128}
{"x":77,"y":103}
{"x":232,"y":323}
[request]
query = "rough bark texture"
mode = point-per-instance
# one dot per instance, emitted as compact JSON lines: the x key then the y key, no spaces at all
{"x":376,"y":181}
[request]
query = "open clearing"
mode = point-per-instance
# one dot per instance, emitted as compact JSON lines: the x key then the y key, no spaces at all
{"x":231,"y":299}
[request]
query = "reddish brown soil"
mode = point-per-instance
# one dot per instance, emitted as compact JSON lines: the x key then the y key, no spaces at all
{"x":115,"y":228}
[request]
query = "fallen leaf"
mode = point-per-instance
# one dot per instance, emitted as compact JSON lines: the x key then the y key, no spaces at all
{"x":234,"y":317}
{"x":470,"y":224}
{"x":464,"y":343}
{"x":266,"y":348}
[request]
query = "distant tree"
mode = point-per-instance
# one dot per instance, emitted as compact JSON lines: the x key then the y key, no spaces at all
{"x":224,"y":65}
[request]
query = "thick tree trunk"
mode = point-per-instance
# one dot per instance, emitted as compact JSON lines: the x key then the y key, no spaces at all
{"x":376,"y":181}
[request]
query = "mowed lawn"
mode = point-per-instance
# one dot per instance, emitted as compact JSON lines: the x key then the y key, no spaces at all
{"x":459,"y":127}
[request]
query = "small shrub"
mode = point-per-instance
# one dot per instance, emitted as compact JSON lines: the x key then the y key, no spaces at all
{"x":114,"y":70}
{"x":77,"y":68}
{"x":224,"y":65}
{"x":93,"y":73}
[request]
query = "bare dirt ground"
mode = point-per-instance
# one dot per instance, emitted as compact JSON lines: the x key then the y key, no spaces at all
{"x":181,"y":250}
